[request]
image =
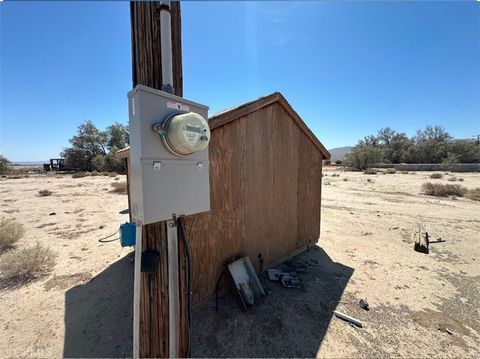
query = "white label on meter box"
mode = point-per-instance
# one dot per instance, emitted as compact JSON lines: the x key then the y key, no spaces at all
{"x":178,"y":106}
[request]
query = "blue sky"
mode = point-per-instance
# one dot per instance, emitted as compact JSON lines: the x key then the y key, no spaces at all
{"x":348,"y":68}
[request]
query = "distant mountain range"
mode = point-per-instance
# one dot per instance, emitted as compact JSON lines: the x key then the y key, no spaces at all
{"x":338,"y":153}
{"x":29,"y":163}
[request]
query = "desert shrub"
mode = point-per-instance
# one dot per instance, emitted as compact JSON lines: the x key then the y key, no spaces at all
{"x":24,"y":265}
{"x":391,"y":171}
{"x":44,"y":193}
{"x":460,"y":179}
{"x":345,"y":179}
{"x":474,"y":194}
{"x":10,"y":232}
{"x":369,"y":180}
{"x":94,"y":173}
{"x":119,"y":187}
{"x":369,"y":172}
{"x":80,"y":174}
{"x":404,"y":172}
{"x":112,"y":174}
{"x":4,"y":164}
{"x":436,"y":176}
{"x":452,"y":179}
{"x":443,"y":190}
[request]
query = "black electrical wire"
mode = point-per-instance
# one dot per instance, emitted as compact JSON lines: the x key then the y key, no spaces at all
{"x":103,"y":240}
{"x":216,"y":289}
{"x":188,"y":275}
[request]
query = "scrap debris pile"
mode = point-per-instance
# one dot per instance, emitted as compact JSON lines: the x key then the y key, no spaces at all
{"x":289,"y":277}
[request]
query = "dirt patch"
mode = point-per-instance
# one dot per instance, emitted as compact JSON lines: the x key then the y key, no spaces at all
{"x":66,"y":281}
{"x":439,"y":320}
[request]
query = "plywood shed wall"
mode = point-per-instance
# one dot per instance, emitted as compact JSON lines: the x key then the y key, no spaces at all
{"x":265,"y":185}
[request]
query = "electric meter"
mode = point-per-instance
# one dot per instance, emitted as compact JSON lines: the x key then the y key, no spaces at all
{"x":183,"y":134}
{"x":169,"y":165}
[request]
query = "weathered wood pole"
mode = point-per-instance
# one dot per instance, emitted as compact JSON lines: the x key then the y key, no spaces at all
{"x":147,"y":70}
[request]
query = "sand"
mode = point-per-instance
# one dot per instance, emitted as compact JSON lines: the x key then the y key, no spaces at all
{"x":83,"y":308}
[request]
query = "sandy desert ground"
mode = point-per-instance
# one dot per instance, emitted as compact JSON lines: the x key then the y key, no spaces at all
{"x":83,"y":308}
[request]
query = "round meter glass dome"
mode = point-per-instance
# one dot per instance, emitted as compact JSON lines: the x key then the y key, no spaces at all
{"x":186,"y":133}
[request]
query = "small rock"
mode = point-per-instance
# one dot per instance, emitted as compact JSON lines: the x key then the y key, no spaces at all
{"x":101,"y":227}
{"x":52,"y":214}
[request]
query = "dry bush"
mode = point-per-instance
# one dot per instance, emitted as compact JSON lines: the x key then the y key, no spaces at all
{"x":10,"y":232}
{"x":461,"y":179}
{"x":345,"y":179}
{"x":44,"y":193}
{"x":22,"y":266}
{"x":80,"y":174}
{"x":95,"y":173}
{"x":473,"y":194}
{"x":119,"y":187}
{"x":452,"y":179}
{"x":443,"y":190}
{"x":112,"y":174}
{"x":370,"y":172}
{"x":436,"y":176}
{"x":391,"y":171}
{"x":369,"y":180}
{"x":404,"y":172}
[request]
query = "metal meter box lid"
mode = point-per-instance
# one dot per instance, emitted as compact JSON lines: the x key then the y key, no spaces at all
{"x":163,"y":183}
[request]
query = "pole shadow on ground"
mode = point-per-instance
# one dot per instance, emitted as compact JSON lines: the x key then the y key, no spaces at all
{"x":99,"y":314}
{"x":289,"y":322}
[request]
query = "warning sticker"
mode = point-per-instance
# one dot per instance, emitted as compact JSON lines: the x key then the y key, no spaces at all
{"x":178,"y":106}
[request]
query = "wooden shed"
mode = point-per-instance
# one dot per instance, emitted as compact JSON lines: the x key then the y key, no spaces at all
{"x":265,"y":190}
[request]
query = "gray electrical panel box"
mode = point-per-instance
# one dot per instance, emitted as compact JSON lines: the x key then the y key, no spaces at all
{"x":164,"y":182}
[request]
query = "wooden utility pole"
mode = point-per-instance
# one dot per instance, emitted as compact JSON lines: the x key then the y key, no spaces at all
{"x":147,"y":70}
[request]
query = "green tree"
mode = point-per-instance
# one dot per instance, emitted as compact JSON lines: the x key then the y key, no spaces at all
{"x":117,"y":137}
{"x":4,"y":164}
{"x":431,"y":145}
{"x":467,"y":151}
{"x":395,"y":145}
{"x":92,"y":149}
{"x":88,"y":143}
{"x":363,"y":156}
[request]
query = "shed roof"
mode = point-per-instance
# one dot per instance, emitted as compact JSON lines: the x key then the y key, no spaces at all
{"x":222,"y":118}
{"x":231,"y":114}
